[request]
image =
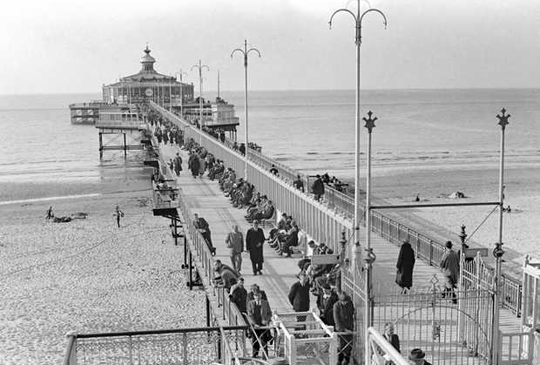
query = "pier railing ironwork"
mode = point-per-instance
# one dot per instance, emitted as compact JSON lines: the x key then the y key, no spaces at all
{"x":175,"y":346}
{"x":517,"y":348}
{"x":325,"y":221}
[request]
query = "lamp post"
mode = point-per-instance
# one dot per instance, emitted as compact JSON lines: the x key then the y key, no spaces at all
{"x":358,"y":18}
{"x":498,"y":251}
{"x":200,"y":67}
{"x":246,"y":52}
{"x":180,"y":75}
{"x":370,"y":256}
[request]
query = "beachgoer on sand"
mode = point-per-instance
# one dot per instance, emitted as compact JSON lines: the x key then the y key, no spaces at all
{"x":50,"y":214}
{"x":118,"y":214}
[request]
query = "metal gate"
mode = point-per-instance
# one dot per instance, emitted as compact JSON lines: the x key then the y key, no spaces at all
{"x":451,"y":328}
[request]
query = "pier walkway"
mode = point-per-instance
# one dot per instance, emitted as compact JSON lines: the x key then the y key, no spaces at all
{"x":204,"y":197}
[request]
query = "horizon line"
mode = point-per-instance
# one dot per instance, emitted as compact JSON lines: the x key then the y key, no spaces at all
{"x":299,"y":89}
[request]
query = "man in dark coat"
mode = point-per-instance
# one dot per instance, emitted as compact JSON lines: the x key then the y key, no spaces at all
{"x":390,"y":336}
{"x":193,"y":164}
{"x":450,"y":267}
{"x":405,"y":266}
{"x":344,"y":322}
{"x":177,"y":164}
{"x":225,"y":277}
{"x":239,"y":295}
{"x":318,"y":188}
{"x":254,"y":245}
{"x":259,"y":316}
{"x":203,"y":227}
{"x":325,"y":303}
{"x":299,"y":295}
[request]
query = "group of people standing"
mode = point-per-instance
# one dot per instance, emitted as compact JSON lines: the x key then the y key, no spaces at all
{"x":449,"y":265}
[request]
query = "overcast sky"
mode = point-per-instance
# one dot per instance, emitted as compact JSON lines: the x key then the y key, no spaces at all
{"x":66,"y":46}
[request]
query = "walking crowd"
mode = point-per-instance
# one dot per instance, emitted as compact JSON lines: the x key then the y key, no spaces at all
{"x":320,"y":280}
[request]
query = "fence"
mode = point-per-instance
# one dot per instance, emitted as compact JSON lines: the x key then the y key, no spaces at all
{"x":516,"y":348}
{"x":179,"y":346}
{"x":317,"y":217}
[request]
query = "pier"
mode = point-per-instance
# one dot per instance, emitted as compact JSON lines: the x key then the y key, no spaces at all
{"x":449,"y":333}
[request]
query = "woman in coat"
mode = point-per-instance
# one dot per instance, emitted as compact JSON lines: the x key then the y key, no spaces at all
{"x":405,"y":266}
{"x":193,"y":164}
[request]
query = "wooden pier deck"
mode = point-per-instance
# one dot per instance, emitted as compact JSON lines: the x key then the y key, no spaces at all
{"x":205,"y":198}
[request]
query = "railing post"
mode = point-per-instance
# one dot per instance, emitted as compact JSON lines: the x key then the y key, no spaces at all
{"x":70,"y":357}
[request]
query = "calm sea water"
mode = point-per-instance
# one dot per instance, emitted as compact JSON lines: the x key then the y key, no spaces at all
{"x":312,"y":131}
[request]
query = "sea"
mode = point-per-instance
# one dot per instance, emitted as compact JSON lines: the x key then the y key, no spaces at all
{"x":312,"y":131}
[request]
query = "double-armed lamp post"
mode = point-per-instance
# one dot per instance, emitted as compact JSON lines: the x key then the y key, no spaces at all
{"x":358,"y":18}
{"x":370,"y":257}
{"x":245,"y":52}
{"x":200,"y":67}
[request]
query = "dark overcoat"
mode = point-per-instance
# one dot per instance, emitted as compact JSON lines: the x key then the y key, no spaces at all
{"x":254,"y":244}
{"x":299,"y":297}
{"x":405,"y":265}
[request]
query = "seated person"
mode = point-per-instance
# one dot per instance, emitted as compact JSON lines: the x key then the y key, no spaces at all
{"x":266,"y":213}
{"x":291,"y":240}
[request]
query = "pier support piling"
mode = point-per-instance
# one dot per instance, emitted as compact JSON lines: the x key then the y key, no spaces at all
{"x":100,"y":145}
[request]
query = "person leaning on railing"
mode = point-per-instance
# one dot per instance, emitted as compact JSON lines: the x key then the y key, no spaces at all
{"x":259,"y":315}
{"x":225,"y":277}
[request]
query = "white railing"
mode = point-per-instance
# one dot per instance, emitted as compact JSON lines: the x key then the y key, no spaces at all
{"x":517,"y":348}
{"x":303,"y":335}
{"x":323,"y":224}
{"x":381,"y":352}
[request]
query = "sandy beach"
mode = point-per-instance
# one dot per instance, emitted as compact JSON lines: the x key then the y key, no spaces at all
{"x":522,"y":193}
{"x":87,"y":275}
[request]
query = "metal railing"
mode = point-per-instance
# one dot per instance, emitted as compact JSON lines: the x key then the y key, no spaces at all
{"x":315,"y":217}
{"x":517,"y":348}
{"x":230,"y":312}
{"x":175,"y":346}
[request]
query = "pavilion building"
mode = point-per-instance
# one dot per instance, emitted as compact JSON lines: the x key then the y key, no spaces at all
{"x":148,"y":84}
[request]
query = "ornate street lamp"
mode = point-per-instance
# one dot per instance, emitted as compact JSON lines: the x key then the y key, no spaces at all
{"x":370,"y":256}
{"x":498,"y":251}
{"x":246,"y":52}
{"x":200,"y":67}
{"x":358,"y":18}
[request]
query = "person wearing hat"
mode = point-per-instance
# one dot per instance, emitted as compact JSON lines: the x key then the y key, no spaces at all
{"x":405,"y":267}
{"x":417,"y":357}
{"x":239,"y":295}
{"x":318,"y":188}
{"x":343,"y":312}
{"x":325,"y":302}
{"x":450,"y":267}
{"x":254,"y":245}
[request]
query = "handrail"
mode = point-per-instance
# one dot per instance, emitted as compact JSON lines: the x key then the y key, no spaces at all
{"x":519,"y":349}
{"x":125,"y":347}
{"x":426,"y":248}
{"x":155,"y":332}
{"x":70,"y":357}
{"x":379,"y":344}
